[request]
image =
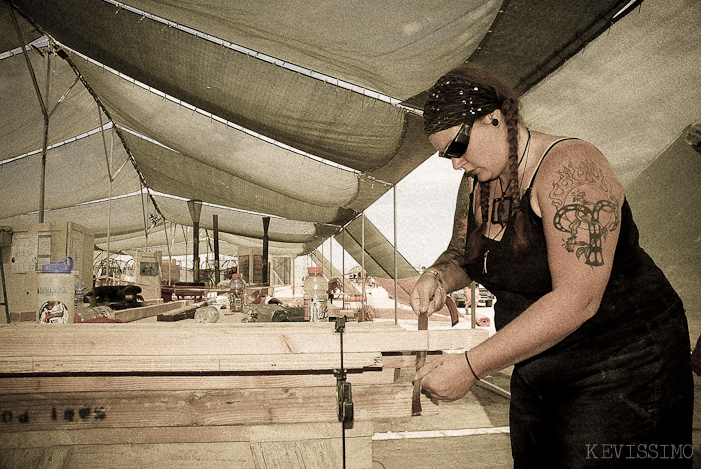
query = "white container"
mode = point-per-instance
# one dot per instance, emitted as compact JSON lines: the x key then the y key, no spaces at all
{"x":236,"y":304}
{"x":207,"y":314}
{"x":315,"y":296}
{"x":55,"y":297}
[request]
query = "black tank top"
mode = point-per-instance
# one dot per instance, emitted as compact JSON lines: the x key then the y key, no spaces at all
{"x":637,"y":288}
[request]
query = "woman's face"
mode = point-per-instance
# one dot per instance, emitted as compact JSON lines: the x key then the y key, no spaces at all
{"x":487,"y":153}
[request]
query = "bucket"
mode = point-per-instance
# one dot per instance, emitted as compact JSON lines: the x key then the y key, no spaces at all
{"x":56,"y":293}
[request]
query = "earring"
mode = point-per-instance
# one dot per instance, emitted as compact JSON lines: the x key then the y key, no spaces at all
{"x":495,"y":122}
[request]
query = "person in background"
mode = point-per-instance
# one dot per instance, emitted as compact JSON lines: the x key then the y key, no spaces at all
{"x":597,"y":335}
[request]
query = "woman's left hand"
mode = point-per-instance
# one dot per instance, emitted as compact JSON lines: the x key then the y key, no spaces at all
{"x":447,"y":379}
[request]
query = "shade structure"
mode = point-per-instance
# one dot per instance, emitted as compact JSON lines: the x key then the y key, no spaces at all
{"x":306,"y":113}
{"x":379,"y":251}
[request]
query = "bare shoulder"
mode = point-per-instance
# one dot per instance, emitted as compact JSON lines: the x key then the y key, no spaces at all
{"x":579,"y":198}
{"x":572,"y":170}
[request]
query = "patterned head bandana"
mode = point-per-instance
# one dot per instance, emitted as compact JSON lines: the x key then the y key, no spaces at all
{"x":455,"y":100}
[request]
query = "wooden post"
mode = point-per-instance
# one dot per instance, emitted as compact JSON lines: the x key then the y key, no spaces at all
{"x":266,"y":224}
{"x":195,"y":207}
{"x":217,"y":273}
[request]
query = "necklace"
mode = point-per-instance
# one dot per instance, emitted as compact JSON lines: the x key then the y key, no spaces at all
{"x":502,"y":207}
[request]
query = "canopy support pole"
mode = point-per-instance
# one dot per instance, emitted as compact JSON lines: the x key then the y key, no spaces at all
{"x":217,"y":272}
{"x":111,"y":177}
{"x":143,"y":210}
{"x":266,"y":242}
{"x":45,"y":113}
{"x":362,"y":267}
{"x":195,"y":208}
{"x":396,"y":301}
{"x":170,"y":257}
{"x":185,"y":237}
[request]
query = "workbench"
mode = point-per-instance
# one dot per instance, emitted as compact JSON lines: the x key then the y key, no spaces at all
{"x":257,"y":395}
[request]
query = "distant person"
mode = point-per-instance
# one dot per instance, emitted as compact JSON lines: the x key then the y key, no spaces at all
{"x":598,"y":336}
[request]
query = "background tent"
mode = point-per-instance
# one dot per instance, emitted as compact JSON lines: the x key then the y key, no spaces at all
{"x":308,"y":112}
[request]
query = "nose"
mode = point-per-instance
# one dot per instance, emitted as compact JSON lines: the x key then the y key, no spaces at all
{"x":458,"y":163}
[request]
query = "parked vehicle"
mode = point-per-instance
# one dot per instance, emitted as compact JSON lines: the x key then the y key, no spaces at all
{"x":463,"y":298}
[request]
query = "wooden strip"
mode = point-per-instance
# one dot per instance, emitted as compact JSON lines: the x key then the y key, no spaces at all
{"x":162,"y":456}
{"x":406,"y":360}
{"x":213,"y":363}
{"x":209,"y":455}
{"x":141,"y":312}
{"x":60,"y":384}
{"x":214,"y":339}
{"x":206,"y":434}
{"x":178,"y":314}
{"x":81,"y":410}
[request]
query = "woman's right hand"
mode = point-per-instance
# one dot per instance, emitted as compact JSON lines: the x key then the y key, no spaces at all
{"x":428,"y":295}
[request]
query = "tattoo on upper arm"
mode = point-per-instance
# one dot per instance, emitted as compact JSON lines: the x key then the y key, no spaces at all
{"x":586,"y":222}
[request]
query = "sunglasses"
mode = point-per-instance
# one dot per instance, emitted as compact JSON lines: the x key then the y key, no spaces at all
{"x":458,"y":146}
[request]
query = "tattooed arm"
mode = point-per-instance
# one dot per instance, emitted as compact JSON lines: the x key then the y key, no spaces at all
{"x":579,"y":198}
{"x":430,"y":291}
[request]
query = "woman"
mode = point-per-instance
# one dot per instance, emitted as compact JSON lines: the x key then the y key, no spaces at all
{"x":597,"y":335}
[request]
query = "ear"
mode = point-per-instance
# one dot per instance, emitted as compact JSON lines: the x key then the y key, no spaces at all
{"x":496,"y":114}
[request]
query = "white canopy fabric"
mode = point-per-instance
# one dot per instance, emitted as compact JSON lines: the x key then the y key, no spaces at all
{"x":238,"y":119}
{"x":258,"y":109}
{"x":632,"y":91}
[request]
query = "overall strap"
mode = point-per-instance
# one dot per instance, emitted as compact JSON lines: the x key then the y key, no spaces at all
{"x":543,"y":157}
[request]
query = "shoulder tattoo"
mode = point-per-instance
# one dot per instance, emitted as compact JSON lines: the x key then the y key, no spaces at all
{"x":586,"y":220}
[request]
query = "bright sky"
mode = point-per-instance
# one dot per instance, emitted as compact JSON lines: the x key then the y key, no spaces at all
{"x":425,"y":209}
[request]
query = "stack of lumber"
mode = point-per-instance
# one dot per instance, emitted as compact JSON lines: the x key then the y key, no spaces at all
{"x":201,"y":395}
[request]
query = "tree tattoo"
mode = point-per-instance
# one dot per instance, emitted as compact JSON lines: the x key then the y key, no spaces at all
{"x":587,"y":223}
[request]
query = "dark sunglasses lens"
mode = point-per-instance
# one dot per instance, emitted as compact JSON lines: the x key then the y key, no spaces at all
{"x":455,"y":150}
{"x":458,"y":146}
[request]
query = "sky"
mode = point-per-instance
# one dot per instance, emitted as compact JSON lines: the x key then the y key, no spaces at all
{"x":425,"y":209}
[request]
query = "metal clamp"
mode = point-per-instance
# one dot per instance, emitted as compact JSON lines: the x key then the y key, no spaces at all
{"x":343,"y":387}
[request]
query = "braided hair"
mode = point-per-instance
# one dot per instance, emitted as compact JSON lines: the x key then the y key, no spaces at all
{"x":461,"y":96}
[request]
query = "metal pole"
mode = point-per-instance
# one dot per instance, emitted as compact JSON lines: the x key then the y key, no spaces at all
{"x":396,"y":281}
{"x":44,"y":112}
{"x":362,"y":267}
{"x":195,"y":208}
{"x":217,"y":273}
{"x":473,"y":304}
{"x":266,"y":241}
{"x":170,"y":256}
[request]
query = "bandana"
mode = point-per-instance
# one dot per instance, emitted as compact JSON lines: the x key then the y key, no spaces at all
{"x":455,"y":100}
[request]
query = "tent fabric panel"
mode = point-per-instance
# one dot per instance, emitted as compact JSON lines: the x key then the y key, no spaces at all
{"x":126,"y":216}
{"x":235,"y":222}
{"x":170,"y":172}
{"x":176,"y":240}
{"x":8,"y":33}
{"x":645,"y":66}
{"x":21,"y":119}
{"x":297,"y":110}
{"x":75,"y":173}
{"x":383,"y":46}
{"x":218,"y":145}
{"x":379,"y":258}
{"x":533,"y":37}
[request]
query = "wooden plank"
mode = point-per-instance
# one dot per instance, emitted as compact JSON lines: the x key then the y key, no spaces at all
{"x":310,"y":454}
{"x":188,"y":363}
{"x":406,"y":360}
{"x":83,"y":410}
{"x":134,"y":314}
{"x":178,"y":314}
{"x":165,"y":456}
{"x":114,"y":340}
{"x":61,"y":384}
{"x":206,"y":434}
